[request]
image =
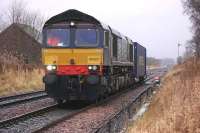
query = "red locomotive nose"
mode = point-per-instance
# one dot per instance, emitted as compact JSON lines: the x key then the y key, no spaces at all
{"x":72,"y":70}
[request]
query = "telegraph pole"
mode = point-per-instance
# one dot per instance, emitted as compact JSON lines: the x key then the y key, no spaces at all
{"x":179,"y":59}
{"x":179,"y":49}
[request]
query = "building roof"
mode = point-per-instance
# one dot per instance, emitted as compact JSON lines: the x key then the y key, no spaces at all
{"x":31,"y":31}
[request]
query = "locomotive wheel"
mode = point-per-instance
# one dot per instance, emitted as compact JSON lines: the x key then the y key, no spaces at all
{"x":60,"y":101}
{"x":100,"y":98}
{"x":105,"y":95}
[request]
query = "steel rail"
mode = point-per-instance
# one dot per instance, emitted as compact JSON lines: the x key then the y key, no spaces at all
{"x":15,"y":119}
{"x":11,"y":100}
{"x":19,"y":95}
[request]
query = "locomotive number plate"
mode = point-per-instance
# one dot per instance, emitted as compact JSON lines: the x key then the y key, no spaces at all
{"x":94,"y":60}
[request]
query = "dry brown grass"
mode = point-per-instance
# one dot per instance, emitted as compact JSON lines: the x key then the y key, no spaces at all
{"x":176,"y":107}
{"x":17,"y":77}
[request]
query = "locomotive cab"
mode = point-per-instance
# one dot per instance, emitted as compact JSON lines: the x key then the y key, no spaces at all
{"x":73,"y":58}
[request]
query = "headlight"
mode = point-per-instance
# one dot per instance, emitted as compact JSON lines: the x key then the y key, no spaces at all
{"x":54,"y":67}
{"x":72,"y":23}
{"x":94,"y":68}
{"x":50,"y":67}
{"x":90,"y":67}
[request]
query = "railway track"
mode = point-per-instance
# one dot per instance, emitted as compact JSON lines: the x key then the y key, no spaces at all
{"x":37,"y":120}
{"x":17,"y":99}
{"x":46,"y":117}
{"x":151,"y":76}
{"x":16,"y":124}
{"x":24,"y":116}
{"x":138,"y":96}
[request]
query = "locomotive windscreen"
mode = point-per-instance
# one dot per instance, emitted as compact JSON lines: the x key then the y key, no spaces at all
{"x":58,"y":37}
{"x":86,"y":37}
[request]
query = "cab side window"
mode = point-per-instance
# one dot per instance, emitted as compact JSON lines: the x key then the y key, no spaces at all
{"x":106,"y":36}
{"x":114,"y":46}
{"x":131,"y":52}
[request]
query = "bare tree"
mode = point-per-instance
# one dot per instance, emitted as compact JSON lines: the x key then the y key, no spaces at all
{"x":35,"y":20}
{"x":2,"y":23}
{"x":18,"y":12}
{"x":189,"y":50}
{"x":192,"y":8}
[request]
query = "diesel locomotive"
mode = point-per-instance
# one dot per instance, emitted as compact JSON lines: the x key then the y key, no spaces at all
{"x":86,"y":59}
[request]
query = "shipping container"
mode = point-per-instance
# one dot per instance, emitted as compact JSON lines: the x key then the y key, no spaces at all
{"x":140,"y":61}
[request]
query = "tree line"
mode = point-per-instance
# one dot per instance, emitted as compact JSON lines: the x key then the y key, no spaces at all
{"x":192,"y":8}
{"x":19,"y":12}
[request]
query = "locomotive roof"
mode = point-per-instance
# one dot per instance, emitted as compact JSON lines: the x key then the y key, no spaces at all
{"x":75,"y":15}
{"x":72,"y":15}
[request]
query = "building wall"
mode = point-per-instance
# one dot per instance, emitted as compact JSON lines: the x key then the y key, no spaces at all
{"x":19,"y":43}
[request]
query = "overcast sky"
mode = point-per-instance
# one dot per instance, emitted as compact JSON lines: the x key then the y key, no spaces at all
{"x":157,"y":24}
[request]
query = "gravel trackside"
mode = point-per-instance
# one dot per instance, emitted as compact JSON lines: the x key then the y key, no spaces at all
{"x":84,"y":122}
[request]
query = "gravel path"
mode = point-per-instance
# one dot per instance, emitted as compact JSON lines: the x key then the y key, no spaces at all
{"x":85,"y":121}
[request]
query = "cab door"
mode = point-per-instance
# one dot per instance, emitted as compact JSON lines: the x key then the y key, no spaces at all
{"x":107,"y":48}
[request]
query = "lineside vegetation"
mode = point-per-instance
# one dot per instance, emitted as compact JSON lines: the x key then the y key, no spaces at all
{"x":17,"y":77}
{"x":176,"y":106}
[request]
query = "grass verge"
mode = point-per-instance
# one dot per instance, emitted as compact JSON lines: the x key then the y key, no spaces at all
{"x":16,"y":77}
{"x":21,"y":81}
{"x":176,"y":106}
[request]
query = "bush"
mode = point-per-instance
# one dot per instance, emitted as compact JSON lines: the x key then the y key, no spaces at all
{"x":17,"y":77}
